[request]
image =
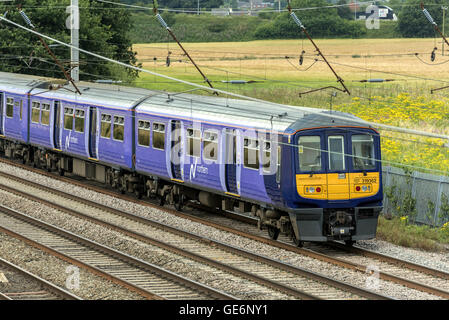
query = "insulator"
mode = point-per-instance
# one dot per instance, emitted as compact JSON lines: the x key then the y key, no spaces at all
{"x":27,"y":20}
{"x":162,"y":21}
{"x":428,"y":16}
{"x":301,"y":58}
{"x":432,"y":55}
{"x":298,"y":22}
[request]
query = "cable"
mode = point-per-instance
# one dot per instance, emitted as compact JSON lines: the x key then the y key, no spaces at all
{"x":431,"y":64}
{"x":392,"y":128}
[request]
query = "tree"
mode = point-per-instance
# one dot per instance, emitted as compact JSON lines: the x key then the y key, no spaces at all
{"x":102,"y":30}
{"x":322,"y":22}
{"x":188,"y":4}
{"x":413,"y":23}
{"x":344,"y":11}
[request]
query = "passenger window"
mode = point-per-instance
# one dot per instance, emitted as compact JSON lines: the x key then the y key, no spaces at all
{"x":159,"y":136}
{"x":9,"y":107}
{"x":79,"y":121}
{"x":266,"y":160}
{"x":363,"y":152}
{"x":119,"y":128}
{"x":45,"y":116}
{"x":251,"y":153}
{"x":144,"y":133}
{"x":68,"y":118}
{"x":336,"y":153}
{"x":106,"y":125}
{"x":194,"y":143}
{"x":309,"y":152}
{"x":210,"y":145}
{"x":35,"y":110}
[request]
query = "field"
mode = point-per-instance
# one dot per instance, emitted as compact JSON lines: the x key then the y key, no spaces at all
{"x":406,"y":101}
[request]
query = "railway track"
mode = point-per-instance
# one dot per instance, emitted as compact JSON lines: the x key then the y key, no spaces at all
{"x":292,"y":281}
{"x":148,"y":280}
{"x":19,"y":284}
{"x":417,"y":277}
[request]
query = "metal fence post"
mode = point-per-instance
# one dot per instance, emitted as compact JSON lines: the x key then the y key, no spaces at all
{"x":438,"y":204}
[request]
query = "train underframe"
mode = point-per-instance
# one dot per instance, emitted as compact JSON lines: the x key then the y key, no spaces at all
{"x":299,"y":224}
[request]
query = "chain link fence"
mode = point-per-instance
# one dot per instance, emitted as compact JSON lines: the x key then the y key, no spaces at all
{"x":420,"y":196}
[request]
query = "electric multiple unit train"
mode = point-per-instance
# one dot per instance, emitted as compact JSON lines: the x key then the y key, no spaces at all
{"x":312,"y":174}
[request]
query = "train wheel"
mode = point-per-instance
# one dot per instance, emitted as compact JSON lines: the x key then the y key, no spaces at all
{"x":349,"y":243}
{"x":273,"y":232}
{"x":179,"y":202}
{"x":297,"y":242}
{"x":162,"y":201}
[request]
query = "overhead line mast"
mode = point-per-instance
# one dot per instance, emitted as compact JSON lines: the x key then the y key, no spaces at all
{"x":435,"y":26}
{"x":68,"y":77}
{"x":298,"y":22}
{"x":164,"y":24}
{"x":262,"y":102}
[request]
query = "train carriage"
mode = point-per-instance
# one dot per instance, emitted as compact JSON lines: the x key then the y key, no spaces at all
{"x":308,"y":173}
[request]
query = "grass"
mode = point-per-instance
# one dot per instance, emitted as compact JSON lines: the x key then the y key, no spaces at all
{"x":397,"y":231}
{"x":405,"y":102}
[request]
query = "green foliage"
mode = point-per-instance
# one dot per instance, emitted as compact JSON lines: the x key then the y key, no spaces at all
{"x":319,"y":23}
{"x":344,"y":11}
{"x":444,"y":209}
{"x":413,"y":23}
{"x":101,"y":30}
{"x":409,"y":235}
{"x":430,"y":213}
{"x":189,"y":4}
{"x":194,"y":28}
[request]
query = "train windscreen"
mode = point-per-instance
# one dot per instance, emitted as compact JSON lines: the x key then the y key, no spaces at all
{"x":363,"y":152}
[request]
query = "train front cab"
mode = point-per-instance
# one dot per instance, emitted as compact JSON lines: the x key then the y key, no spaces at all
{"x":337,"y":186}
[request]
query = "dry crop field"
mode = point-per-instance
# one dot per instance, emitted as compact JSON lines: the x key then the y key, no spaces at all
{"x":405,"y":102}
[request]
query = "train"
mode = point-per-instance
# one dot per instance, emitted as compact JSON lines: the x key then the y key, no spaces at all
{"x":311,"y":174}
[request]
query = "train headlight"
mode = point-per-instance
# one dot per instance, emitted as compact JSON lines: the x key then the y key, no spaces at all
{"x":363,"y":188}
{"x":313,"y":189}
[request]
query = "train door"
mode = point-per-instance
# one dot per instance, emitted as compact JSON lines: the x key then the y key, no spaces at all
{"x":57,"y":127}
{"x":337,"y":166}
{"x":176,"y":149}
{"x":231,"y":160}
{"x":93,"y":133}
{"x":1,"y":112}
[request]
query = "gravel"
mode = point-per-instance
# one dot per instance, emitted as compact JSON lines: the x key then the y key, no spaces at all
{"x":52,"y":269}
{"x":433,"y":260}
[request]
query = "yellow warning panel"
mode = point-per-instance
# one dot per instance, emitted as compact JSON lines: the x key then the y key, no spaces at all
{"x":338,"y":186}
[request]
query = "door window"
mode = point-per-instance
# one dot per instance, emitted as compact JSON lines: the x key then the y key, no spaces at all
{"x":336,"y":153}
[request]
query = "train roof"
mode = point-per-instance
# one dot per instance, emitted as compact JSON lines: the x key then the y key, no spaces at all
{"x":244,"y":113}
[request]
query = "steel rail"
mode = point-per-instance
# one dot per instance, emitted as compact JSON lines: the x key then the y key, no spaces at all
{"x":240,"y":252}
{"x":172,"y":277}
{"x":152,"y":241}
{"x":278,"y":244}
{"x":50,"y":287}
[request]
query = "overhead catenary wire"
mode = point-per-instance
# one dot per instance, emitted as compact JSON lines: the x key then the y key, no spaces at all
{"x":263,"y":102}
{"x":299,"y":23}
{"x":266,"y":113}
